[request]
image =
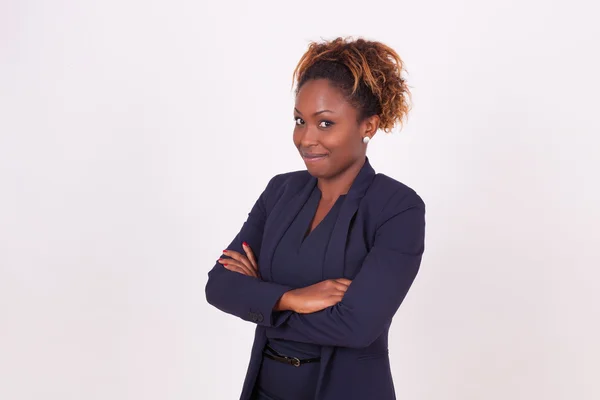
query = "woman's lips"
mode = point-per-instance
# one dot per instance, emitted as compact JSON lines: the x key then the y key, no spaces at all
{"x":313,"y":157}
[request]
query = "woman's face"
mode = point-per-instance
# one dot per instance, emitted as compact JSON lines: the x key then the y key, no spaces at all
{"x":327,"y":133}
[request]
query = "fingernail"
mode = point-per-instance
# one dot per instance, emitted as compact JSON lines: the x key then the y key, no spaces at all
{"x":225,"y":264}
{"x":224,"y":251}
{"x":245,"y":244}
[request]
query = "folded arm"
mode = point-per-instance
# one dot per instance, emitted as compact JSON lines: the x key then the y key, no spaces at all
{"x":246,"y":297}
{"x":376,"y":292}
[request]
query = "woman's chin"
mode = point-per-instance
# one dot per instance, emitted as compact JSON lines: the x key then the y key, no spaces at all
{"x":317,"y":169}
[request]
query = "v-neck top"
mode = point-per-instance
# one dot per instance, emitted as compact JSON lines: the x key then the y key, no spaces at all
{"x":298,"y":260}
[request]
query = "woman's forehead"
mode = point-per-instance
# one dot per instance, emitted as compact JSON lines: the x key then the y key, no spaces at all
{"x":318,"y":95}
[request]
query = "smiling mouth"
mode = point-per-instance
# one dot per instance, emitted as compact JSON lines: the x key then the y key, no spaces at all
{"x":313,"y":157}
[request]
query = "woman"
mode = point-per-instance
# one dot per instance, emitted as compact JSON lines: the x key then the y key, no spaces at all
{"x":327,"y":254}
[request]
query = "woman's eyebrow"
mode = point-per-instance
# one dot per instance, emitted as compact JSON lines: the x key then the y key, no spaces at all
{"x":315,"y":114}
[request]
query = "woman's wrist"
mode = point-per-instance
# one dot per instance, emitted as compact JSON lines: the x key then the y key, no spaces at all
{"x":285,"y":302}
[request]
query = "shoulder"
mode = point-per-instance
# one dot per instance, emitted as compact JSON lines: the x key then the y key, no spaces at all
{"x":390,"y":197}
{"x":393,"y":192}
{"x":399,"y":215}
{"x":287,"y":183}
{"x":289,"y":179}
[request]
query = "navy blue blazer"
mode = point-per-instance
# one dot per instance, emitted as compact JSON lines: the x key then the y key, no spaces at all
{"x":377,"y":242}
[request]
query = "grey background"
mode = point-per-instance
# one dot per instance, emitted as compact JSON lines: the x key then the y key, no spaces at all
{"x":136,"y":135}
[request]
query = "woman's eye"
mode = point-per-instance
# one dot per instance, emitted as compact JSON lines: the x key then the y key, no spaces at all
{"x":298,"y":120}
{"x":325,"y":124}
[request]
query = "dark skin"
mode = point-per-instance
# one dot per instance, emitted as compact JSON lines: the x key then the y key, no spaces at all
{"x":330,"y":141}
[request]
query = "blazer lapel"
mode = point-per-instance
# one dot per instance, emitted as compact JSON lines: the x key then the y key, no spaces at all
{"x":335,"y":254}
{"x":284,"y":214}
{"x":333,"y":267}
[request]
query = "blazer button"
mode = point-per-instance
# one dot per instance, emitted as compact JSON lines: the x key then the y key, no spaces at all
{"x":259,"y":317}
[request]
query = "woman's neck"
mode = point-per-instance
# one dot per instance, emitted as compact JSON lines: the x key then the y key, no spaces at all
{"x":340,"y":184}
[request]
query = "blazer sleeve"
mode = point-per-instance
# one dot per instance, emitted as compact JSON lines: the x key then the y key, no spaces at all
{"x":378,"y":289}
{"x":246,"y":297}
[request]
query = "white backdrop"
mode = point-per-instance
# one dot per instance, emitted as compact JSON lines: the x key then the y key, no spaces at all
{"x":136,"y":135}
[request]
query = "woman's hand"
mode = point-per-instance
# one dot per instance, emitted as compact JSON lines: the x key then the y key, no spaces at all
{"x":315,"y":297}
{"x":244,"y":264}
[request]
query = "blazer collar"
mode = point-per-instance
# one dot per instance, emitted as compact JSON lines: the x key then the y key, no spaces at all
{"x":362,"y":181}
{"x":358,"y":188}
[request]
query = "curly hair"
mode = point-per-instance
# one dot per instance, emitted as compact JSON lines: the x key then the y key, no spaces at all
{"x":368,"y":73}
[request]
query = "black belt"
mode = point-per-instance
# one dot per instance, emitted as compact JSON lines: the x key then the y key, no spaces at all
{"x":296,"y":362}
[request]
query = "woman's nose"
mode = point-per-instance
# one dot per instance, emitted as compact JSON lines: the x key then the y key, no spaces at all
{"x":310,"y":136}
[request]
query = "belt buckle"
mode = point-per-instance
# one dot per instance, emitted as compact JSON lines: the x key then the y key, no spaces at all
{"x":295,"y":361}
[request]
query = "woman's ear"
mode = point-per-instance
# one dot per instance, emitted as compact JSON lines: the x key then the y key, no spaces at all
{"x":371,"y":125}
